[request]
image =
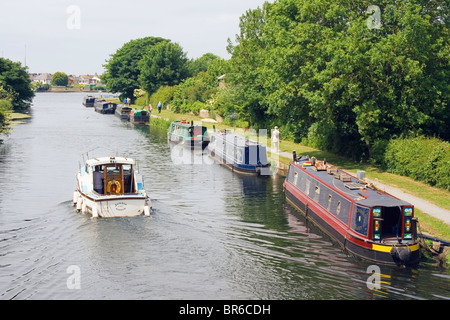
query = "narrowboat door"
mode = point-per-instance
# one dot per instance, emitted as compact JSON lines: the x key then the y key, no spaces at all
{"x":393,"y":224}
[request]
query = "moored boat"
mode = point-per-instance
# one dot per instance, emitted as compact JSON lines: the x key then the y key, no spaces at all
{"x":188,"y":134}
{"x":105,"y":107}
{"x":111,"y":187}
{"x":141,"y":117}
{"x":367,"y":222}
{"x":239,"y":153}
{"x":89,"y":101}
{"x":123,"y":112}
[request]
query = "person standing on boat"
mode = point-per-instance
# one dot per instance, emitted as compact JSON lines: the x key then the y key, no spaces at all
{"x":159,"y":107}
{"x":275,"y":140}
{"x":98,"y":180}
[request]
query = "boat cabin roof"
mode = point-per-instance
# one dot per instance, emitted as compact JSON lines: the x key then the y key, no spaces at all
{"x":351,"y":187}
{"x":109,"y":160}
{"x":233,"y":138}
{"x":185,"y":123}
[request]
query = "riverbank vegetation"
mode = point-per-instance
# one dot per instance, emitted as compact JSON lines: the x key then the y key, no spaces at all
{"x":15,"y":90}
{"x":369,"y":83}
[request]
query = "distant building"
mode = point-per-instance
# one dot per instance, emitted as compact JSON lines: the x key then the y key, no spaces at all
{"x":87,"y":79}
{"x":44,"y":78}
{"x":73,"y":80}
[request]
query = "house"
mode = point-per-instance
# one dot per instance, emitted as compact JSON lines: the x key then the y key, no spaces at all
{"x":44,"y":78}
{"x":87,"y":79}
{"x":73,"y":80}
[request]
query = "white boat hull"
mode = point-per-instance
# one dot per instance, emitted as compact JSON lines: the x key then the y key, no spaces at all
{"x":112,"y":206}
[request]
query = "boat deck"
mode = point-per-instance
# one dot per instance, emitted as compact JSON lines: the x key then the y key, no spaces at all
{"x":349,"y":186}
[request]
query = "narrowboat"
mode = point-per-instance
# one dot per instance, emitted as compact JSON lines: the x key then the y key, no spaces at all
{"x":189,"y":135}
{"x":105,"y":107}
{"x":239,"y":153}
{"x":141,"y":117}
{"x":111,"y":187}
{"x":89,"y":101}
{"x":123,"y":112}
{"x":367,"y":222}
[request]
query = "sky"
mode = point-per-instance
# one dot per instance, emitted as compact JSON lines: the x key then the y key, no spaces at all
{"x":78,"y":36}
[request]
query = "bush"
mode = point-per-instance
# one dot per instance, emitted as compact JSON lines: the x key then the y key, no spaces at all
{"x":164,"y":94}
{"x":423,"y":159}
{"x":5,"y":108}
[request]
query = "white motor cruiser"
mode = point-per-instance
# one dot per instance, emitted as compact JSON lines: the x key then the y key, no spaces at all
{"x":111,"y":187}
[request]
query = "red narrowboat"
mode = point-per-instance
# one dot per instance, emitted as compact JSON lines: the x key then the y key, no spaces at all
{"x":367,"y":222}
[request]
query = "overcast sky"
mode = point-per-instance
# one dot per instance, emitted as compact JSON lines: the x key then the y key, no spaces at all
{"x":54,"y":37}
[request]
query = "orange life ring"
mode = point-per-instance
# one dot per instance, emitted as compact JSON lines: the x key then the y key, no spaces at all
{"x":113,"y":186}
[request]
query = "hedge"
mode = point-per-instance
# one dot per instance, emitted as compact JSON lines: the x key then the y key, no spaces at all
{"x":423,"y":159}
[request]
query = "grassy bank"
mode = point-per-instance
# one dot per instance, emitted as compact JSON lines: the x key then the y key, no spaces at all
{"x":17,"y":118}
{"x":434,"y":195}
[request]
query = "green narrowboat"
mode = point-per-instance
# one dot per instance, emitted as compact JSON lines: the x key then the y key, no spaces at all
{"x":188,"y":134}
{"x":141,"y":117}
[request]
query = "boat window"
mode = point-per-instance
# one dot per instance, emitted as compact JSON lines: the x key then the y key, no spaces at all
{"x":317,"y":193}
{"x":308,"y":184}
{"x":127,"y":178}
{"x":338,"y":208}
{"x":329,"y":202}
{"x":295,"y":178}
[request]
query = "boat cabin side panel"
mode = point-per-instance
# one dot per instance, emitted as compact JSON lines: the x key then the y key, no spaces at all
{"x":331,"y":201}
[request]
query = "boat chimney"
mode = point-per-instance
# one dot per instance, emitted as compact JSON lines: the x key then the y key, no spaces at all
{"x":294,"y":155}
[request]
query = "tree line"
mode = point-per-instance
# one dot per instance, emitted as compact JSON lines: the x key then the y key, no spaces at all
{"x":16,"y":93}
{"x":344,"y":76}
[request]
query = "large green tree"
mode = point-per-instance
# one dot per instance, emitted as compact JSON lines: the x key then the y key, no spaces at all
{"x":60,"y":79}
{"x":344,"y":74}
{"x":164,"y":64}
{"x":15,"y":81}
{"x":122,"y":69}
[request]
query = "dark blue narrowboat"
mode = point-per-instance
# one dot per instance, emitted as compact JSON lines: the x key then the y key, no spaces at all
{"x":367,"y":222}
{"x":89,"y":101}
{"x":105,"y":107}
{"x":239,"y":153}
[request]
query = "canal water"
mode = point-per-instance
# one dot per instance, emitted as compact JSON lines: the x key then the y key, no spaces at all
{"x":213,"y":234}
